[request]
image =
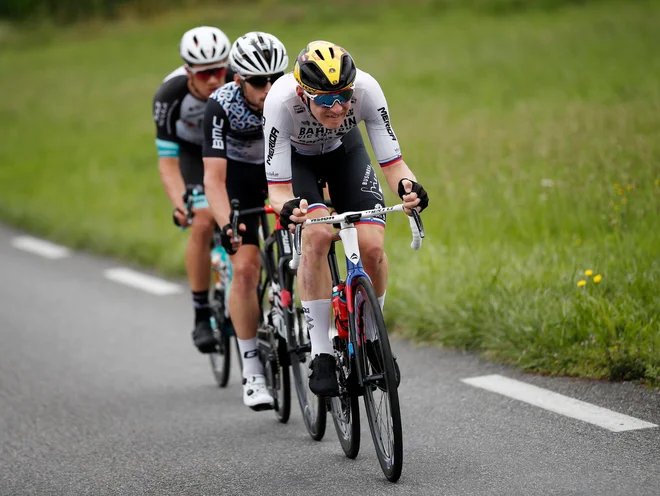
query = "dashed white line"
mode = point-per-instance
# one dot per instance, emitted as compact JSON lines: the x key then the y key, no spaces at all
{"x":40,"y":247}
{"x":558,"y":403}
{"x":141,"y":281}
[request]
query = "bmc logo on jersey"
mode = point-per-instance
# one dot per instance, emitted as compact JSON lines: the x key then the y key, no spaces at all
{"x":216,"y":134}
{"x":386,"y":121}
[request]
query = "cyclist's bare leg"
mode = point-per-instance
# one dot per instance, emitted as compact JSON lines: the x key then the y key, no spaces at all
{"x":371,"y":239}
{"x":244,"y":305}
{"x":243,"y":302}
{"x":314,"y":282}
{"x":198,"y":250}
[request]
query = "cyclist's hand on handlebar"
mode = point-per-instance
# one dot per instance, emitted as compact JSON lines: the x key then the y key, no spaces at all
{"x":413,"y":195}
{"x":181,"y":218}
{"x":226,"y":238}
{"x":293,"y":212}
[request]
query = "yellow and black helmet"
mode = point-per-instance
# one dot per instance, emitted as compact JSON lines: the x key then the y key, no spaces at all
{"x":323,"y":67}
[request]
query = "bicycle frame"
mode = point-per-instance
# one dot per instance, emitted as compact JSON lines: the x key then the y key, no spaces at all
{"x":275,"y":271}
{"x":348,"y":234}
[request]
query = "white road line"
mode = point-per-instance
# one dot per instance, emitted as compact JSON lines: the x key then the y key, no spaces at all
{"x":40,"y":247}
{"x":141,"y":281}
{"x":558,"y":403}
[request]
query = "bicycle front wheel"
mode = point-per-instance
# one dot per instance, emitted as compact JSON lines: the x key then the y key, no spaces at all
{"x":375,"y":363}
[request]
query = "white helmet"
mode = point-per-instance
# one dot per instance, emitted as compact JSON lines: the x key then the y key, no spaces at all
{"x":258,"y":54}
{"x":204,"y":45}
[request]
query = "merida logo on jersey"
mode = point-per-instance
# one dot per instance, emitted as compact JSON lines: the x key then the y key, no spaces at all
{"x":272,"y":139}
{"x":386,"y":121}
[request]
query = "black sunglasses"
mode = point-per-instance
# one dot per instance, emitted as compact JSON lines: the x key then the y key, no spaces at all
{"x":260,"y":82}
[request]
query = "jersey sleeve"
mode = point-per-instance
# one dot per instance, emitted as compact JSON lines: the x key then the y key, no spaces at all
{"x":216,"y":126}
{"x":166,"y":110}
{"x":277,"y":135}
{"x":377,"y":121}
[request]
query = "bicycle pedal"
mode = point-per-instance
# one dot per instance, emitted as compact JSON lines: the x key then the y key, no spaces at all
{"x":263,"y":407}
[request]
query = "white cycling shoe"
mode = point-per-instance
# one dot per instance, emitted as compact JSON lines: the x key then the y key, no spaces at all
{"x":255,"y":393}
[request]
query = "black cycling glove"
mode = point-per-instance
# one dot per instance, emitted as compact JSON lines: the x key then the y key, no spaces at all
{"x":225,"y":240}
{"x":174,"y":219}
{"x":416,"y":188}
{"x":287,"y":212}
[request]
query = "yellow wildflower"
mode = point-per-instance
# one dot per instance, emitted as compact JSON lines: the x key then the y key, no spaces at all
{"x":589,"y":273}
{"x":581,"y":283}
{"x":624,"y":201}
{"x":630,"y":187}
{"x":657,"y":182}
{"x":598,"y":278}
{"x":621,"y":191}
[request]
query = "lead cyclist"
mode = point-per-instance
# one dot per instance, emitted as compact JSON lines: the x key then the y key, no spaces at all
{"x":307,"y":115}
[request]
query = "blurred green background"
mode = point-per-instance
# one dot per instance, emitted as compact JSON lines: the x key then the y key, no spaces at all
{"x":534,"y":125}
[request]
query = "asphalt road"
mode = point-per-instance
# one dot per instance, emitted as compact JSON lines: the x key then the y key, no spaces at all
{"x":102,"y":392}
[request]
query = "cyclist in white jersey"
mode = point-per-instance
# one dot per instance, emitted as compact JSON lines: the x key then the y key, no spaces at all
{"x":306,"y":117}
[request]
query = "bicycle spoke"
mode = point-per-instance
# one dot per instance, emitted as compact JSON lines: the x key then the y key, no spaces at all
{"x":380,"y":392}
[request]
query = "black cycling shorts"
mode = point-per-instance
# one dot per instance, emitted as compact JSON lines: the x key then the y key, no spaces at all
{"x":247,"y":183}
{"x":352,"y":181}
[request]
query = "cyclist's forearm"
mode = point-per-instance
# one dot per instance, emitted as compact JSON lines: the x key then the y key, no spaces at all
{"x":395,"y":172}
{"x":170,"y":176}
{"x":215,"y":189}
{"x":279,"y":194}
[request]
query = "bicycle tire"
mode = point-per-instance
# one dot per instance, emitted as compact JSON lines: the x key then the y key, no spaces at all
{"x":312,"y":407}
{"x":377,"y":374}
{"x":220,"y":359}
{"x":345,"y":410}
{"x":282,"y":382}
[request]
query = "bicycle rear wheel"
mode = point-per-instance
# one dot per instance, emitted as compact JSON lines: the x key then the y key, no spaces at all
{"x":376,"y":365}
{"x":345,"y":411}
{"x":312,"y":407}
{"x":281,"y":383}
{"x":220,"y":359}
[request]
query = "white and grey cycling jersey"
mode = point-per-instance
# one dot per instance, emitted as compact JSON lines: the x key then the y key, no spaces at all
{"x":288,"y":122}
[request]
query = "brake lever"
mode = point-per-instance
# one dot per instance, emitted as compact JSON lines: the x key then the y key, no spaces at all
{"x":234,"y":219}
{"x":418,"y":221}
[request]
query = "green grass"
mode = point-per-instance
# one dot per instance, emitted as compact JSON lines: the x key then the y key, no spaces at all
{"x":537,"y":135}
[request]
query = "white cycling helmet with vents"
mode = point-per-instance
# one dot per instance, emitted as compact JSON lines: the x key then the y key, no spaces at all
{"x":258,"y":54}
{"x":205,"y":45}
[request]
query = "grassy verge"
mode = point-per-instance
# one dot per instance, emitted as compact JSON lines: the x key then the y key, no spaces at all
{"x":537,"y":135}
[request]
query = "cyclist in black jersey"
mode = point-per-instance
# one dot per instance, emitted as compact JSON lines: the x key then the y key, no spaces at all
{"x":234,"y":169}
{"x":178,"y":111}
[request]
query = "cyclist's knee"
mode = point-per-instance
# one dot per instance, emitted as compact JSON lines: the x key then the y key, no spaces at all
{"x":372,"y":250}
{"x":203,"y":222}
{"x":317,"y":239}
{"x":245,"y":269}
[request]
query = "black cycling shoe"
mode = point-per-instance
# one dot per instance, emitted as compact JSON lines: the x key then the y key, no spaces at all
{"x":323,"y":375}
{"x":375,"y":356}
{"x":203,"y":337}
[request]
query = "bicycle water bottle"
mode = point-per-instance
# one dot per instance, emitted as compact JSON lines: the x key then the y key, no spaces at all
{"x":218,"y":265}
{"x":223,"y":273}
{"x":340,"y":310}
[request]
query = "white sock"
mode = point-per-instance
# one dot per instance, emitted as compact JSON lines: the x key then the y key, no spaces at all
{"x":250,"y":357}
{"x":381,"y":301}
{"x":317,"y":314}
